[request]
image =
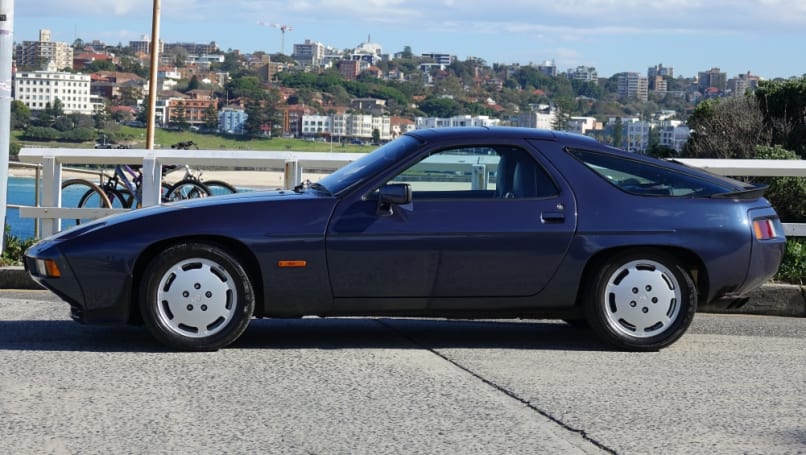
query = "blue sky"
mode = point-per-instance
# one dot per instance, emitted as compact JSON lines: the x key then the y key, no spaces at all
{"x":765,"y":37}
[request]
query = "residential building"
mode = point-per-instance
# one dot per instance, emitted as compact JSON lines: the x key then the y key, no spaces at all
{"x":673,"y":134}
{"x":350,"y":69}
{"x":581,"y":125}
{"x":743,"y":83}
{"x":192,"y":48}
{"x":456,"y":121}
{"x":37,"y":54}
{"x":143,"y":46}
{"x":309,"y":53}
{"x":38,"y":89}
{"x":347,"y":126}
{"x":232,"y":120}
{"x":633,"y":85}
{"x":548,"y":68}
{"x":659,"y":70}
{"x":712,"y":78}
{"x":193,"y":109}
{"x":442,"y":59}
{"x":584,"y":73}
{"x":542,"y":116}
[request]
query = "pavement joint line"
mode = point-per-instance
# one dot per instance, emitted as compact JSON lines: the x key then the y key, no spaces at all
{"x":581,"y":433}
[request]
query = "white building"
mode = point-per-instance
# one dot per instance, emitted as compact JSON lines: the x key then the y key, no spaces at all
{"x":38,"y":88}
{"x":580,"y":125}
{"x":457,"y":121}
{"x":355,"y":126}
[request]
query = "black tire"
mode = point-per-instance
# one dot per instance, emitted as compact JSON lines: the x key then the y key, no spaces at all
{"x":218,"y":187}
{"x":114,"y":199}
{"x":641,"y":300}
{"x":187,"y":189}
{"x":196,"y":297}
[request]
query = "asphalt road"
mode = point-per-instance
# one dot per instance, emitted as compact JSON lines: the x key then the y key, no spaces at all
{"x":733,"y":384}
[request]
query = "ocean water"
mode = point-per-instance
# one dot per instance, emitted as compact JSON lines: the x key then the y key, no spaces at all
{"x":21,"y":191}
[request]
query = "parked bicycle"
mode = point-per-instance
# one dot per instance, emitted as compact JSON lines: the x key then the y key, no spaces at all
{"x":123,"y":189}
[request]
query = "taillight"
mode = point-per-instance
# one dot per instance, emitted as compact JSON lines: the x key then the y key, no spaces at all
{"x":764,"y":229}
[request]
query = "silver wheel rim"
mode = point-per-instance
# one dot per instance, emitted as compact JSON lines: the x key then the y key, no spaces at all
{"x":196,"y":298}
{"x":642,"y":299}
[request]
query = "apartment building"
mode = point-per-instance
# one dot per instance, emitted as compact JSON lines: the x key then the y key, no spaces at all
{"x":584,"y":73}
{"x":38,"y":89}
{"x":309,"y":53}
{"x":633,"y":85}
{"x":232,"y":121}
{"x":712,"y":78}
{"x":347,"y":126}
{"x":38,"y":54}
{"x":442,"y":59}
{"x":456,"y":121}
{"x":143,"y":45}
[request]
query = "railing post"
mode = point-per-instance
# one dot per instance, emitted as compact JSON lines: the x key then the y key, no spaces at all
{"x":292,"y":174}
{"x":479,"y":178}
{"x":152,"y":180}
{"x":51,"y":192}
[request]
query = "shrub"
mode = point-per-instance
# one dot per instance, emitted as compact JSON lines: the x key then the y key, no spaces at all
{"x":14,"y":249}
{"x":793,"y":268}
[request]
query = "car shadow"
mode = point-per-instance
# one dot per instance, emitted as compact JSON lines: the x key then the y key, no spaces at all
{"x":313,"y":333}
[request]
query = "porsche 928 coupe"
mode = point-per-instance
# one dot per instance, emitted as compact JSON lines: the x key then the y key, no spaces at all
{"x":438,"y":223}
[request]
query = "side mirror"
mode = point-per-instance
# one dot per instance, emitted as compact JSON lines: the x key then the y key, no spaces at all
{"x":393,"y":194}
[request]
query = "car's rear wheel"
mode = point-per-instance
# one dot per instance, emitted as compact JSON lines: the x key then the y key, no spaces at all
{"x":641,"y":300}
{"x":196,"y":297}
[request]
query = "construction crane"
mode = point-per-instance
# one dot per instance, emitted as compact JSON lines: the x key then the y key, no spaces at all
{"x":283,"y":28}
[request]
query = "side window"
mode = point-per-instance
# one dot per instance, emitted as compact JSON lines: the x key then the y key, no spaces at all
{"x":482,"y":172}
{"x":645,"y":179}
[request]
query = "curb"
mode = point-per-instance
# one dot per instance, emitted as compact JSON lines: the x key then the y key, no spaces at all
{"x":769,"y":300}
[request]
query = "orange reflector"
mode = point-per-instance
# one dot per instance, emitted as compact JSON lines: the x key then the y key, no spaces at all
{"x":52,"y":269}
{"x":291,"y":264}
{"x":764,"y":229}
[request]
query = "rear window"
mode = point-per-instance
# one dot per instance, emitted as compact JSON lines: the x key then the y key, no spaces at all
{"x":645,"y":179}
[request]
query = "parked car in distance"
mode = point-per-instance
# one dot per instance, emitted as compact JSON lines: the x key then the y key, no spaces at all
{"x":453,"y":223}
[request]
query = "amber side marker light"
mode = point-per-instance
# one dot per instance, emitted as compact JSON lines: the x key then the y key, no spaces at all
{"x":291,"y":264}
{"x":764,"y":229}
{"x":48,"y":268}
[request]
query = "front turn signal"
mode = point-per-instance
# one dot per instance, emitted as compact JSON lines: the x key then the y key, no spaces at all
{"x":48,"y":268}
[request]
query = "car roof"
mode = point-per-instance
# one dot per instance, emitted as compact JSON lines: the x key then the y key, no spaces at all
{"x":498,"y":132}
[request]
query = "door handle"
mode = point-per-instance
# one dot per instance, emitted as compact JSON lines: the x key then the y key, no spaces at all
{"x":552,"y":217}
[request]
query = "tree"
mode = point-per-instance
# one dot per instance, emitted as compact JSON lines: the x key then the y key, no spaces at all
{"x":211,"y":118}
{"x":194,"y":83}
{"x":179,"y":118}
{"x":783,"y":104}
{"x":20,"y":115}
{"x":726,"y":128}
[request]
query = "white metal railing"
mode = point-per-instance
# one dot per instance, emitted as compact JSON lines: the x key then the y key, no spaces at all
{"x":51,"y":160}
{"x":50,"y":210}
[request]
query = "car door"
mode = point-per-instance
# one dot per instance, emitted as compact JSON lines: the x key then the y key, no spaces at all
{"x":483,"y":221}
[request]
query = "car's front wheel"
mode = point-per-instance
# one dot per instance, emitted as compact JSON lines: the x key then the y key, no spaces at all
{"x":196,"y":297}
{"x":641,"y":300}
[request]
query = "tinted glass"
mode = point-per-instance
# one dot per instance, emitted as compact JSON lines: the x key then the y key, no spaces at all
{"x":645,"y":179}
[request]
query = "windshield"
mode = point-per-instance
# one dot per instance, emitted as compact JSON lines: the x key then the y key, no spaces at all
{"x":369,"y":165}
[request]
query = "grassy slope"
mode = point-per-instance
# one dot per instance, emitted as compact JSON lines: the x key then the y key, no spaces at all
{"x":164,"y":139}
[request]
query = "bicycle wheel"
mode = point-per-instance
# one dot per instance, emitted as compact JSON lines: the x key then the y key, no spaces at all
{"x":114,"y":199}
{"x":187,"y":189}
{"x":218,"y":187}
{"x":74,"y":190}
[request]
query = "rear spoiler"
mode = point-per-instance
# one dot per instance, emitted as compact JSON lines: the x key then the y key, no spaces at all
{"x":753,"y":192}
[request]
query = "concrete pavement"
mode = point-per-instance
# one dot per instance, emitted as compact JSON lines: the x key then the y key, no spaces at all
{"x":769,"y":300}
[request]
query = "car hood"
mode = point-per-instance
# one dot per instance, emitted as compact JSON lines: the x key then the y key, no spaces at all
{"x":250,"y":197}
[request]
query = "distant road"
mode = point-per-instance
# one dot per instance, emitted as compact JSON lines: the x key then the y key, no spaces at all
{"x":733,"y":384}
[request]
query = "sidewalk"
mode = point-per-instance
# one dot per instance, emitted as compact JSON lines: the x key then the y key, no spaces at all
{"x":770,"y":299}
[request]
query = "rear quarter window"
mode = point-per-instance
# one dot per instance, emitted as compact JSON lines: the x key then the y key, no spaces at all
{"x":646,"y":179}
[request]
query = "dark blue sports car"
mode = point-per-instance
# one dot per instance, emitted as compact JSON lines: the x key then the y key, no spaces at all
{"x":457,"y":223}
